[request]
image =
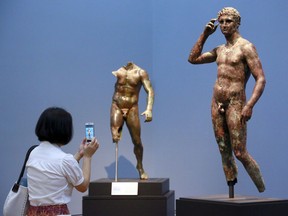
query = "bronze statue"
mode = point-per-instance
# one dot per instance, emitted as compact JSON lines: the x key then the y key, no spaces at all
{"x":236,"y":61}
{"x":124,"y":108}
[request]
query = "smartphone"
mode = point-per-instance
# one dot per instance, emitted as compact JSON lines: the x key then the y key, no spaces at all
{"x":89,"y":131}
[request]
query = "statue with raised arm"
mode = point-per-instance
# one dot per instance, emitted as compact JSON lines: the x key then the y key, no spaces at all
{"x":124,"y":108}
{"x":236,"y":61}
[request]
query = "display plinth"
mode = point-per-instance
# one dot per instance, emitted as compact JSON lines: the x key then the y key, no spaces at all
{"x":154,"y":199}
{"x":153,"y":186}
{"x":221,"y":205}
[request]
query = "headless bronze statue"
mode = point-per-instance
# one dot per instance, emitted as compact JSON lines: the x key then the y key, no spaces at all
{"x":124,"y":108}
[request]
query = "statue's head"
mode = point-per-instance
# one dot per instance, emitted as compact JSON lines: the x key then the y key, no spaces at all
{"x":230,"y":11}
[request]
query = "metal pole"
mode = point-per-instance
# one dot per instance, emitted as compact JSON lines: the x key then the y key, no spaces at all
{"x":231,"y":187}
{"x":231,"y":191}
{"x":116,"y":161}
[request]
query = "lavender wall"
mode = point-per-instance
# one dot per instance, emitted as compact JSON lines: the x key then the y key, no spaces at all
{"x":62,"y":53}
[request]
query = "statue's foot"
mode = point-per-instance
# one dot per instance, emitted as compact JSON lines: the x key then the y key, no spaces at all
{"x":261,"y":186}
{"x":143,"y":175}
{"x":261,"y":189}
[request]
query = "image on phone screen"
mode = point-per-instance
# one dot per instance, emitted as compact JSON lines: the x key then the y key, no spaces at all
{"x":89,"y":131}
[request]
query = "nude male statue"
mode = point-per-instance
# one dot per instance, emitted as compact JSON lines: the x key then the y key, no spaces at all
{"x":236,"y":61}
{"x":124,"y":108}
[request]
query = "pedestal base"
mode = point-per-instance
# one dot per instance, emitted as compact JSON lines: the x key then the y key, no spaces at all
{"x":154,"y":199}
{"x":221,"y":205}
{"x":153,"y":186}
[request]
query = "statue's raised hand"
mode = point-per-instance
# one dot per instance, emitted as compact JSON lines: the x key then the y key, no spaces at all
{"x":210,"y":27}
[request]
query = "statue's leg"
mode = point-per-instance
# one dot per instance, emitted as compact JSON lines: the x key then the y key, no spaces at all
{"x":133,"y":124}
{"x":238,"y":135}
{"x":116,"y":122}
{"x":222,"y":137}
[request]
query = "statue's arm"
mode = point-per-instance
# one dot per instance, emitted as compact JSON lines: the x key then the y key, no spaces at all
{"x":196,"y":56}
{"x":257,"y":72}
{"x":150,"y":95}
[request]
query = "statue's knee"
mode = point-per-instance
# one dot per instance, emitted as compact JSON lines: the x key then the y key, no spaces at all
{"x":222,"y":147}
{"x":116,"y":136}
{"x":239,"y":155}
{"x":137,"y":142}
{"x":116,"y":131}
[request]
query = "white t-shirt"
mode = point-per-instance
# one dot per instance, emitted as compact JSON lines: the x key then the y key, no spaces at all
{"x":51,"y":175}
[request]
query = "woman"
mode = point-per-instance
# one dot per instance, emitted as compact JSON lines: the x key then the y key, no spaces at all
{"x":51,"y":173}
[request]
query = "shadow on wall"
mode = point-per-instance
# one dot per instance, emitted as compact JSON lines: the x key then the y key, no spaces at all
{"x":125,"y":169}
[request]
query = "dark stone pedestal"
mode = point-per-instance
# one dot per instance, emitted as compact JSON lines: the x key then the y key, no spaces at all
{"x":221,"y":205}
{"x":154,"y":199}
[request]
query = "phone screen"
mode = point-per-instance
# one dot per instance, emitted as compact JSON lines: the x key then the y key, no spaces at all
{"x":89,"y":131}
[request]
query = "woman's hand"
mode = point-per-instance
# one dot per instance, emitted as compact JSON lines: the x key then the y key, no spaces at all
{"x":90,"y":148}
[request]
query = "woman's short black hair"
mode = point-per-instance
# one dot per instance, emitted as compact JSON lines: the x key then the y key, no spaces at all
{"x":55,"y":126}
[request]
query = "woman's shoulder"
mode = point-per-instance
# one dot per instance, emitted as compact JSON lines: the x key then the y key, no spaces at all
{"x":69,"y":159}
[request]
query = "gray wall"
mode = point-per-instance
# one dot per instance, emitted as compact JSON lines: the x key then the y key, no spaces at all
{"x":62,"y":53}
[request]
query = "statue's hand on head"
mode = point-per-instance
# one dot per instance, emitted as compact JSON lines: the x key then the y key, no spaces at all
{"x":210,"y":27}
